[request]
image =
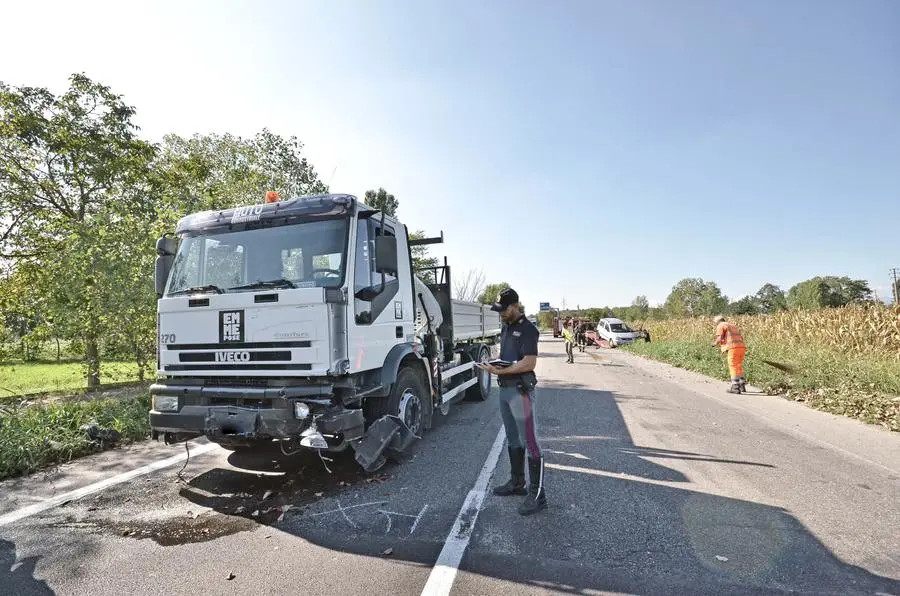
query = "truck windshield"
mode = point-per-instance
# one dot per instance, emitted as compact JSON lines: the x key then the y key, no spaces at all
{"x":304,"y":255}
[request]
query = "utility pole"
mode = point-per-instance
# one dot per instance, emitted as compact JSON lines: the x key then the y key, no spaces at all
{"x":895,"y":285}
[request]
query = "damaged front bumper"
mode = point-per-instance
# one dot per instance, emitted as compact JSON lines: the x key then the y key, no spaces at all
{"x":306,"y":416}
{"x":244,"y":416}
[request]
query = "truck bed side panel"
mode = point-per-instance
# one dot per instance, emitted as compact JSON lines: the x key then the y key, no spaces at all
{"x":474,"y":321}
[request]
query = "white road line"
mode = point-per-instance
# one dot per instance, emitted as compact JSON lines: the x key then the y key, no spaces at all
{"x":58,"y":500}
{"x":442,"y":576}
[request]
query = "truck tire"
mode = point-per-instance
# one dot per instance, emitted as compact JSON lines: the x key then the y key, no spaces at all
{"x":481,"y":390}
{"x":409,"y":400}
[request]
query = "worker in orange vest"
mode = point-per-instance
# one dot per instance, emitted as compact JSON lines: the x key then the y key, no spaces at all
{"x":729,"y":340}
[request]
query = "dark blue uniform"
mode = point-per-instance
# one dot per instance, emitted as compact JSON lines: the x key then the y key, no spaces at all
{"x":517,"y":396}
{"x":519,"y":339}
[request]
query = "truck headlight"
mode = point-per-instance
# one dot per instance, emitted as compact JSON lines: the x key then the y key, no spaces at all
{"x":301,"y":410}
{"x":165,"y":403}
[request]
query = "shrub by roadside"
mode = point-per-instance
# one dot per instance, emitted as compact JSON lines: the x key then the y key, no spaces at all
{"x":39,"y":435}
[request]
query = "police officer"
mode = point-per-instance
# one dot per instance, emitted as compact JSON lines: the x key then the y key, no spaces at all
{"x":519,"y":345}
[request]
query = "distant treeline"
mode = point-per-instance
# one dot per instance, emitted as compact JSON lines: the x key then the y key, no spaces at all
{"x":693,"y":297}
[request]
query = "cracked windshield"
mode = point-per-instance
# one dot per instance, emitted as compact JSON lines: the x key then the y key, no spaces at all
{"x":300,"y":255}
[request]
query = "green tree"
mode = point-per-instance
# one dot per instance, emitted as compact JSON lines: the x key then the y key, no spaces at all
{"x":422,"y":261}
{"x":828,"y":292}
{"x":71,"y":166}
{"x":712,"y":301}
{"x":745,"y":306}
{"x":219,"y":171}
{"x":545,"y":319}
{"x":490,"y":293}
{"x":770,"y":298}
{"x":594,"y":314}
{"x":382,"y":200}
{"x":693,"y":296}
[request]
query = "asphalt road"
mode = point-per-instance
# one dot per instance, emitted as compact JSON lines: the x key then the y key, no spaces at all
{"x":659,"y":483}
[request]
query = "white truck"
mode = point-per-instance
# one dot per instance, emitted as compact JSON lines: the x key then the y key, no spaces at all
{"x":303,"y":322}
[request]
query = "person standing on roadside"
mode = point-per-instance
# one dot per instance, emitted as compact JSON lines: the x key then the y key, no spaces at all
{"x":569,"y":338}
{"x":519,"y":346}
{"x":730,"y":341}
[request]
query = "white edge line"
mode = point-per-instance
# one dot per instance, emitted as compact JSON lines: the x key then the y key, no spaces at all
{"x":73,"y":495}
{"x":442,"y":576}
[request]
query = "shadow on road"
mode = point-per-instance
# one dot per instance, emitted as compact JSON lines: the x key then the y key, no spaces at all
{"x":620,"y":522}
{"x":617,"y":521}
{"x":20,"y":574}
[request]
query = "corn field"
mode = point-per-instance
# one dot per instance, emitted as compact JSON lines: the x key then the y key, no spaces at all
{"x":853,"y":331}
{"x":846,"y":361}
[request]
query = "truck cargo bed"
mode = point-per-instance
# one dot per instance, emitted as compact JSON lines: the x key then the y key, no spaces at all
{"x":472,"y":320}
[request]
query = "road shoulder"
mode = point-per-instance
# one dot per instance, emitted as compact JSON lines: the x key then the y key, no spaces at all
{"x":868,"y":443}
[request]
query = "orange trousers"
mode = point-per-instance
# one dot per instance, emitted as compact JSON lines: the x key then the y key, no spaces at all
{"x":736,"y":361}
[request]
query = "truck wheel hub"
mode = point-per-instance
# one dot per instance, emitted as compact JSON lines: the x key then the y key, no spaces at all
{"x":410,"y":410}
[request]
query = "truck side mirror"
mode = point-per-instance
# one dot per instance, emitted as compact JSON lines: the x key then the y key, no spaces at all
{"x":166,"y":246}
{"x":165,"y":250}
{"x":386,"y":255}
{"x":163,"y":268}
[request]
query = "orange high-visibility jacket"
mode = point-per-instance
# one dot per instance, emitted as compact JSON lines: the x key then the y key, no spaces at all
{"x":728,"y":336}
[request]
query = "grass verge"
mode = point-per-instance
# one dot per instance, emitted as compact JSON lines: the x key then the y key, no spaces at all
{"x":864,"y":387}
{"x":35,"y":436}
{"x":30,"y":378}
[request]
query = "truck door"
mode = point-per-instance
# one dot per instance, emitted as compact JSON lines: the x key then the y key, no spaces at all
{"x":382,"y":314}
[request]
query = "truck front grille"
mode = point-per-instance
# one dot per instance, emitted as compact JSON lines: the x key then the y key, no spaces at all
{"x":257,"y":404}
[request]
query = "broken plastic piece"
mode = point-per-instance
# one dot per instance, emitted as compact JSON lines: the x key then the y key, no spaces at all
{"x":387,"y":434}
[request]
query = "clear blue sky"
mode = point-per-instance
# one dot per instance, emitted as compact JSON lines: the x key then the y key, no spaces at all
{"x":586,"y":150}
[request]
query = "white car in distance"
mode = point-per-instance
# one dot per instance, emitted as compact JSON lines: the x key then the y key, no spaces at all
{"x":616,"y":332}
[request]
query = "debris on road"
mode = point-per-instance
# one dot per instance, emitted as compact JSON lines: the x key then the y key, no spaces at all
{"x":230,"y":576}
{"x":388,"y":551}
{"x":721,"y":558}
{"x":96,"y":434}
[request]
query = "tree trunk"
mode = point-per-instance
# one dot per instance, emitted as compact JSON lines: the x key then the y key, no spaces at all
{"x":140,"y":360}
{"x":58,"y":350}
{"x":92,"y":353}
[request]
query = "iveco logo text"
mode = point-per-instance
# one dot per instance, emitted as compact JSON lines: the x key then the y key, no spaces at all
{"x":232,"y":356}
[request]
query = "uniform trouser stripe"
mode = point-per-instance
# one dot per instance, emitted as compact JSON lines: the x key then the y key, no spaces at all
{"x":534,"y":450}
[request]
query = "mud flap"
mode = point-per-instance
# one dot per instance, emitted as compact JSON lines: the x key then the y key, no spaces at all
{"x":388,"y":436}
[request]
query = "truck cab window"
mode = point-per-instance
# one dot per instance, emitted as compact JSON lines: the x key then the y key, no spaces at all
{"x":308,"y":254}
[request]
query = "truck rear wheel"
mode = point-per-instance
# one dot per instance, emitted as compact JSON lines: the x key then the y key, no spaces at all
{"x":408,"y":400}
{"x":481,"y":390}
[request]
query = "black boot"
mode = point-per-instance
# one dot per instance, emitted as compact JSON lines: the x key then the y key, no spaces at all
{"x":537,"y":497}
{"x":516,"y":483}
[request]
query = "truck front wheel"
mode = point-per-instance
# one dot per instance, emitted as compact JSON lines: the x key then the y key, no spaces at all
{"x":408,"y":401}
